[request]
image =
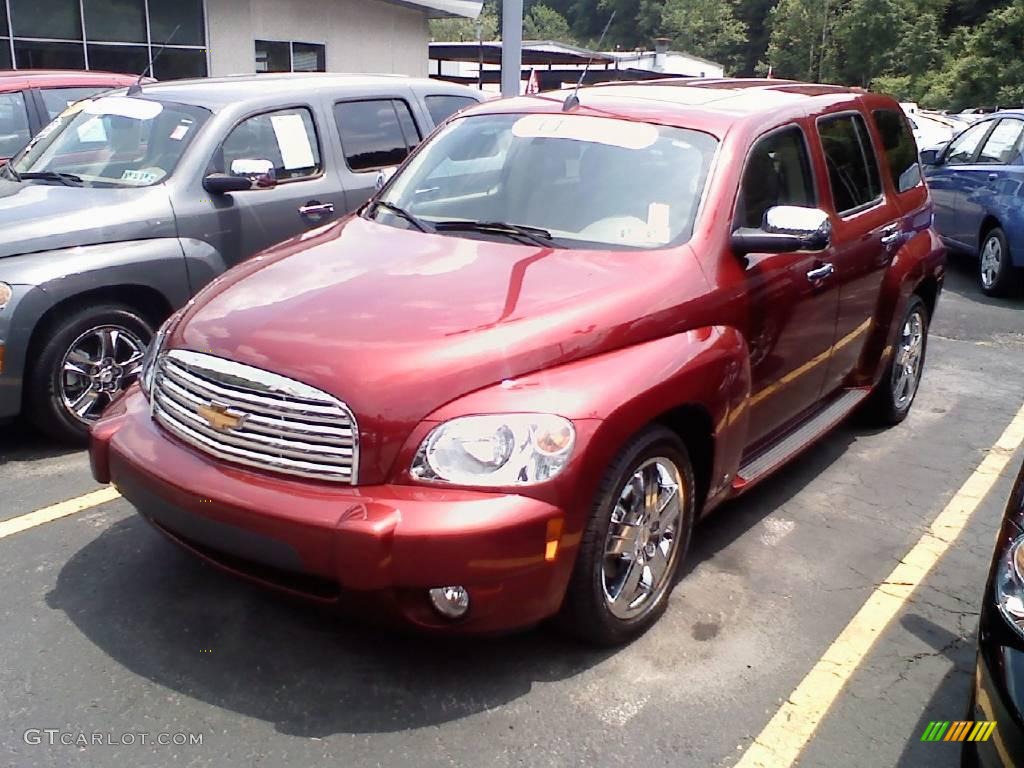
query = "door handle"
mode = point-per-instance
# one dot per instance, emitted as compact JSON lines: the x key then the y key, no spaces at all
{"x":891,"y":235}
{"x":993,"y":177}
{"x":820,"y":273}
{"x":316,"y":209}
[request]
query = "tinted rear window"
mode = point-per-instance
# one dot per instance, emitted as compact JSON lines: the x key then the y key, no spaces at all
{"x":442,"y":106}
{"x":375,"y":134}
{"x":900,"y":149}
{"x":852,"y":169}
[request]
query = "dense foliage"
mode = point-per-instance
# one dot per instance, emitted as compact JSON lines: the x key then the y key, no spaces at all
{"x":940,"y":53}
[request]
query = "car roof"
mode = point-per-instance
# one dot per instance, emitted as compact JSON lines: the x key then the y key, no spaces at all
{"x":710,"y":104}
{"x":218,"y":92}
{"x":13,"y":79}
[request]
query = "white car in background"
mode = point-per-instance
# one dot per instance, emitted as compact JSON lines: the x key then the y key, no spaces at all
{"x":930,"y":131}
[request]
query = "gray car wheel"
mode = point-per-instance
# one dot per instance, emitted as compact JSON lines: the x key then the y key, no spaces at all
{"x":86,"y":362}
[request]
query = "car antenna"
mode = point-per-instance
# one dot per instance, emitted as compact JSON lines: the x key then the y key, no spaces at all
{"x":136,"y":87}
{"x":573,"y":100}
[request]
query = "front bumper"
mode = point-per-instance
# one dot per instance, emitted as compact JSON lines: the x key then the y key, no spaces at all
{"x":377,"y":547}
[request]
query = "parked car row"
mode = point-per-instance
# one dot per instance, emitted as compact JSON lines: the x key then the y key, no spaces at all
{"x":124,"y":206}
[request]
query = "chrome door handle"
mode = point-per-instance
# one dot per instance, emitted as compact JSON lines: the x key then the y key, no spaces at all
{"x":891,"y":236}
{"x":820,"y":273}
{"x":993,"y":177}
{"x":317,"y":209}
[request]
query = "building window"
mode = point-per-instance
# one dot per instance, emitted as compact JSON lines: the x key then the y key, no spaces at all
{"x":111,"y":35}
{"x":282,"y":56}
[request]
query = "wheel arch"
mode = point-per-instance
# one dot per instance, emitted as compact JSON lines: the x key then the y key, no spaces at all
{"x":988,"y":223}
{"x":693,"y":424}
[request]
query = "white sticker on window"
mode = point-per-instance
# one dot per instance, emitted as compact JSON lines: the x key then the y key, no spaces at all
{"x":179,"y":133}
{"x":599,"y":130}
{"x":124,"y":106}
{"x":658,"y":222}
{"x":141,"y":177}
{"x":293,"y":141}
{"x":92,"y":131}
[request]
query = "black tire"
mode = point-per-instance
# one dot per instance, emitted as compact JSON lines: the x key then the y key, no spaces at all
{"x":886,"y":407}
{"x":586,"y":614}
{"x":45,"y":405}
{"x":996,"y":274}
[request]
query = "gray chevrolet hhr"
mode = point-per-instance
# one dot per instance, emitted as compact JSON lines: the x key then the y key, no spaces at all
{"x":126,"y":205}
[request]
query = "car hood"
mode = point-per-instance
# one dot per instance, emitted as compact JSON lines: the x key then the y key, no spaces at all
{"x":397,"y":323}
{"x":41,"y":216}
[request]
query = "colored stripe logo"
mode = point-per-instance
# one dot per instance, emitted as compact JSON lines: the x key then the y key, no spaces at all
{"x":959,"y":730}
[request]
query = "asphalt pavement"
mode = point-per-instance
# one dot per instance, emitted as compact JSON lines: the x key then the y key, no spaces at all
{"x":107,"y":629}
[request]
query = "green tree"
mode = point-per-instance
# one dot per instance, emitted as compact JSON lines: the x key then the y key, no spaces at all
{"x":706,"y":28}
{"x":801,"y":43}
{"x":462,"y":30}
{"x":544,"y":23}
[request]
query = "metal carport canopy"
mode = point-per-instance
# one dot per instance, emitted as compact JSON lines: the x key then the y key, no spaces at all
{"x":535,"y":53}
{"x":443,"y":9}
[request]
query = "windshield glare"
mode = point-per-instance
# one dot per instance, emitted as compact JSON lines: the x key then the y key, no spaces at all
{"x":114,"y":141}
{"x":588,"y":181}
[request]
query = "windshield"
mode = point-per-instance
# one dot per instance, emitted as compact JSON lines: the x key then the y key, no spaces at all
{"x":114,"y":141}
{"x":583,"y":181}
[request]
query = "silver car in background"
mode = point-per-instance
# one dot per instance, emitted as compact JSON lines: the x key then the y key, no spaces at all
{"x":126,"y":205}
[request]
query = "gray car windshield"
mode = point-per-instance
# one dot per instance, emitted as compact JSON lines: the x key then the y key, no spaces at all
{"x":112,"y":141}
{"x":573,"y":181}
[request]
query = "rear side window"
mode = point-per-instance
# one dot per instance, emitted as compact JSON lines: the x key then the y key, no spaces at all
{"x":852,"y":168}
{"x":778,"y":172}
{"x":375,"y":134}
{"x":287,"y":138}
{"x":56,"y":100}
{"x":442,"y":106}
{"x":14,"y":133}
{"x":1002,"y":145}
{"x":900,"y":149}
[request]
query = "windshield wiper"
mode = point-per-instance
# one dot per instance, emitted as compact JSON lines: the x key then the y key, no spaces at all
{"x":67,"y":179}
{"x":402,"y":214}
{"x":535,"y":235}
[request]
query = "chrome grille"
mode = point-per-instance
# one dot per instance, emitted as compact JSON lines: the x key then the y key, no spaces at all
{"x":282,"y":425}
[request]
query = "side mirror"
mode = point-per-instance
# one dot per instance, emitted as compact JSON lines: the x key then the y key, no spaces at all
{"x":222,"y":184}
{"x":384,"y":176}
{"x":933,"y":155}
{"x":786,"y":229}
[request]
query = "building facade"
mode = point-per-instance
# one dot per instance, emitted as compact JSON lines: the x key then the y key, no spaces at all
{"x":194,"y":38}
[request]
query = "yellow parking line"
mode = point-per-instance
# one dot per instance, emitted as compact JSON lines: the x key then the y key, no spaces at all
{"x":780,"y":743}
{"x":57,"y":511}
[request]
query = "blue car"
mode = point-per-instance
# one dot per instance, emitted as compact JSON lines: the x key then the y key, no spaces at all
{"x":977,"y":184}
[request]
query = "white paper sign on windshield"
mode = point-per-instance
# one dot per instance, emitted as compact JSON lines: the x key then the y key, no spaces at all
{"x":293,"y":141}
{"x":92,"y":131}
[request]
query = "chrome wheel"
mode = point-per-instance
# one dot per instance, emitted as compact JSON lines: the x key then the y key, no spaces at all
{"x":991,"y":262}
{"x":643,"y":539}
{"x":906,"y":370}
{"x":98,"y":366}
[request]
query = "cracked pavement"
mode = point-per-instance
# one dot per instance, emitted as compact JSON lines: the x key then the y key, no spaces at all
{"x":106,"y":627}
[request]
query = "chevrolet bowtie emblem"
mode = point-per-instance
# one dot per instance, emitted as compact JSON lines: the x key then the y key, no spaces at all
{"x":221,"y":418}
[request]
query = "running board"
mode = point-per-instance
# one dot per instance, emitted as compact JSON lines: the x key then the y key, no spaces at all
{"x":777,"y":454}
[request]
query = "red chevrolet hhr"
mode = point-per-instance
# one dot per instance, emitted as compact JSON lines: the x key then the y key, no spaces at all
{"x":563,"y":332}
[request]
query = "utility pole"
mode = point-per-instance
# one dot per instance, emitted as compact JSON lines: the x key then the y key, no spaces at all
{"x":511,"y":47}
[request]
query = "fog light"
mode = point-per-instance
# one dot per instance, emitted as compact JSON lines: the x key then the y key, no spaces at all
{"x":450,"y":602}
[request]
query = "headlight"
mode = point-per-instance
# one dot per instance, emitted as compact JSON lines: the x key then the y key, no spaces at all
{"x":148,"y":367}
{"x":6,"y":292}
{"x":1010,"y":584}
{"x":496,"y":450}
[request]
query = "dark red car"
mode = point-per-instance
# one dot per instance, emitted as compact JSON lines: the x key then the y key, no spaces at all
{"x":561,"y":334}
{"x":31,"y":98}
